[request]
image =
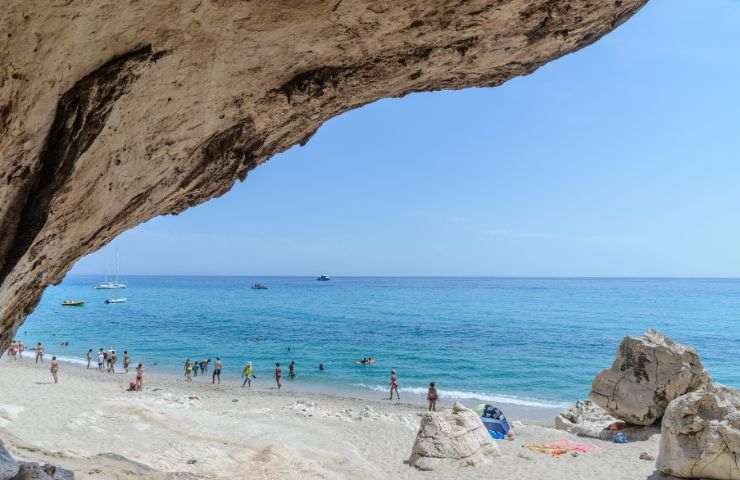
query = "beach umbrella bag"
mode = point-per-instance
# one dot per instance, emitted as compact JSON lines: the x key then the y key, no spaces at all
{"x":494,"y":420}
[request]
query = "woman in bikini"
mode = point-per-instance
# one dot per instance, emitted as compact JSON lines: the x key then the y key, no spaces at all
{"x":394,"y":385}
{"x":278,"y":375}
{"x":39,"y":353}
{"x":432,"y":397}
{"x":55,"y":369}
{"x":126,"y":360}
{"x":139,"y":377}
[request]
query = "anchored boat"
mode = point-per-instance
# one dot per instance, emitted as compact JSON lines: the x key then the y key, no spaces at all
{"x":73,"y":303}
{"x":116,"y":300}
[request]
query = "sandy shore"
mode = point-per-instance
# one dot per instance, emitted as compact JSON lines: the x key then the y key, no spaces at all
{"x":180,"y":430}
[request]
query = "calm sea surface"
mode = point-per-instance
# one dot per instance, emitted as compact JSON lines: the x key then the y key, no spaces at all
{"x":528,"y":341}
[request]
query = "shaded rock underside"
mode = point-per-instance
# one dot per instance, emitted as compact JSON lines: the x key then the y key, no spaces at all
{"x":112,"y":113}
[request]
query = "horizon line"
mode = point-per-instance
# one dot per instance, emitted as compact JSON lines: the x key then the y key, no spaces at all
{"x":593,"y":277}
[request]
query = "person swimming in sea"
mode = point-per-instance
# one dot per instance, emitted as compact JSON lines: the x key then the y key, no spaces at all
{"x":321,"y":367}
{"x":432,"y":397}
{"x":278,"y":375}
{"x":248,"y":374}
{"x":394,"y":385}
{"x":217,"y":371}
{"x":55,"y":369}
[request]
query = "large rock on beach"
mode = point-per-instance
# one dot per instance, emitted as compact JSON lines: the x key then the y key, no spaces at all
{"x":12,"y":469}
{"x":700,"y":436}
{"x":648,"y":373}
{"x":452,"y":439}
{"x":586,"y":419}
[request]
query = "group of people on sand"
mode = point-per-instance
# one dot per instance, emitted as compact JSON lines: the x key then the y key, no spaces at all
{"x":107,"y":360}
{"x":192,"y":368}
{"x":16,"y":350}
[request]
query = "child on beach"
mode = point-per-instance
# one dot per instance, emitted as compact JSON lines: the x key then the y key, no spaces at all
{"x":248,"y":374}
{"x":88,"y":357}
{"x":39,"y":353}
{"x":189,"y":370}
{"x":278,"y":375}
{"x":217,"y":371}
{"x":432,"y":397}
{"x":394,"y":385}
{"x":55,"y":369}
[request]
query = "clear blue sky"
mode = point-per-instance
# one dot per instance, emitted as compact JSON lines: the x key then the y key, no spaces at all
{"x":622,"y":159}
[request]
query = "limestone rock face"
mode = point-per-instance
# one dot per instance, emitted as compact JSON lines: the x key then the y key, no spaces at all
{"x":452,"y":439}
{"x":12,"y":469}
{"x":586,"y":419}
{"x":112,"y":113}
{"x":647,"y":374}
{"x":700,"y":435}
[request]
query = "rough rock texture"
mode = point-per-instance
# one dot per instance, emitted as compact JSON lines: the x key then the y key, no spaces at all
{"x":700,"y":436}
{"x":11,"y":469}
{"x":647,"y":374}
{"x":114,"y":112}
{"x":587,"y":419}
{"x":452,"y":439}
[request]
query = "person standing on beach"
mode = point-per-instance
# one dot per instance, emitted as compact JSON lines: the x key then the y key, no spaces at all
{"x":101,"y":360}
{"x":55,"y":369}
{"x":217,"y":371}
{"x":189,"y":370}
{"x":139,"y":377}
{"x":291,"y":370}
{"x":39,"y":353}
{"x":88,"y":357}
{"x":278,"y":375}
{"x":13,"y":349}
{"x":126,"y":360}
{"x":202,"y":367}
{"x":21,"y":347}
{"x":112,"y":358}
{"x":248,"y":374}
{"x":394,"y":385}
{"x":432,"y":397}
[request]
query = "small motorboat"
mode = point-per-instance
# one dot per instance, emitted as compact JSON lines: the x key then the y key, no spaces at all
{"x":116,"y":300}
{"x":259,"y":286}
{"x":73,"y":303}
{"x":323,"y":278}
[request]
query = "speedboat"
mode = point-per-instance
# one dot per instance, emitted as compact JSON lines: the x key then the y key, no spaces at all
{"x":73,"y":303}
{"x":116,"y":300}
{"x":110,"y":285}
{"x":323,"y":278}
{"x":259,"y":286}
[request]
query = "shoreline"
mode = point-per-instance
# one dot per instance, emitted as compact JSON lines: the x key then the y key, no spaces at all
{"x":175,"y":429}
{"x":527,"y":410}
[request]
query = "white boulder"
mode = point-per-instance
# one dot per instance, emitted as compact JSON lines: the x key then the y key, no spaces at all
{"x":648,"y":373}
{"x":700,"y":436}
{"x":452,"y":439}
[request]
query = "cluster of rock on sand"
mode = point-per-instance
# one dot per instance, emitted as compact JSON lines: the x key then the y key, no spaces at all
{"x":657,"y":383}
{"x":12,"y":469}
{"x":654,"y":386}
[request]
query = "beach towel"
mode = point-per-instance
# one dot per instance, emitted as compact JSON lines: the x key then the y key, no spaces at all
{"x":494,"y":420}
{"x":562,"y":447}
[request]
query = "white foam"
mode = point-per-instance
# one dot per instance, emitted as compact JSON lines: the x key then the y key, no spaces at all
{"x":76,"y":361}
{"x":463,"y":395}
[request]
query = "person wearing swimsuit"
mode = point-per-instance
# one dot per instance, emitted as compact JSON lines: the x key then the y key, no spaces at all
{"x":55,"y":369}
{"x":88,"y":357}
{"x":278,"y":375}
{"x":291,"y":370}
{"x":432,"y":397}
{"x":139,"y":377}
{"x":217,"y":371}
{"x":21,"y":347}
{"x":394,"y":385}
{"x":39,"y":353}
{"x":189,"y":370}
{"x":126,"y":360}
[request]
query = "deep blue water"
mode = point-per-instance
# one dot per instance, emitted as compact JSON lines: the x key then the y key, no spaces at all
{"x":536,"y":339}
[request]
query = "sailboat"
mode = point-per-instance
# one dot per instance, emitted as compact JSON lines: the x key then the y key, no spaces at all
{"x":107,"y":285}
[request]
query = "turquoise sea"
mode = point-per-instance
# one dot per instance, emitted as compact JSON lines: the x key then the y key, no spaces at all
{"x":519,"y":340}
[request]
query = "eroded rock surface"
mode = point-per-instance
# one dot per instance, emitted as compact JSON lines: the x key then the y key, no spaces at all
{"x":647,"y":374}
{"x":586,"y":419}
{"x":12,"y":469}
{"x":112,"y":113}
{"x":700,"y":435}
{"x":452,"y":439}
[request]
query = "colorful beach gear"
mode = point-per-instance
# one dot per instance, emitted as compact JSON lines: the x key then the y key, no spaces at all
{"x":494,"y":420}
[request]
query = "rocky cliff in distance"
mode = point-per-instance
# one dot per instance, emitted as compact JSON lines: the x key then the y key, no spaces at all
{"x":114,"y":112}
